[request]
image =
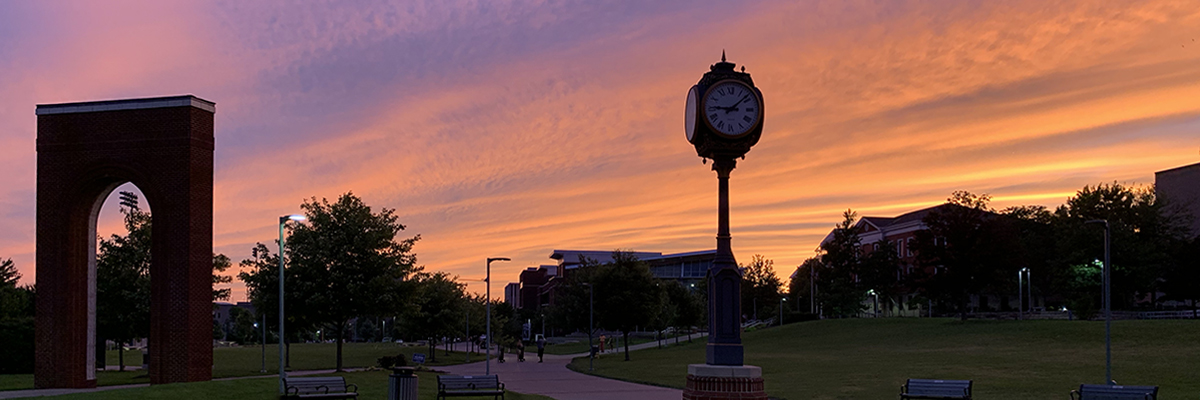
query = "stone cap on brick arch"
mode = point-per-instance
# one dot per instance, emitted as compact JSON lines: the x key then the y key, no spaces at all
{"x":127,"y":104}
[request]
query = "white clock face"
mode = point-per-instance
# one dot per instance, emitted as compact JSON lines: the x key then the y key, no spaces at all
{"x":689,"y":121}
{"x":731,"y":108}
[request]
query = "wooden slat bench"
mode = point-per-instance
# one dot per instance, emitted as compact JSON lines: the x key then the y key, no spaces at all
{"x":469,"y":385}
{"x":326,"y":387}
{"x":1115,"y":392}
{"x":936,"y":389}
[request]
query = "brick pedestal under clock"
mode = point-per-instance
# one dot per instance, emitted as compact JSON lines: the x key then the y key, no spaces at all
{"x":724,"y":382}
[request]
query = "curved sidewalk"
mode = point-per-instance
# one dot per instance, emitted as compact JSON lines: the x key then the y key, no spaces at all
{"x":552,"y":378}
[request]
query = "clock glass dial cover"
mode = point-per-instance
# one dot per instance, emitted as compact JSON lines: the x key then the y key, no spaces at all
{"x":731,"y":108}
{"x":689,"y":121}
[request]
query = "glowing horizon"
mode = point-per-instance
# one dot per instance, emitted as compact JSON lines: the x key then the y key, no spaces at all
{"x":510,"y":129}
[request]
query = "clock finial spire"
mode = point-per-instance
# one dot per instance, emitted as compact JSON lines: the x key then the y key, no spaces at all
{"x":722,"y":55}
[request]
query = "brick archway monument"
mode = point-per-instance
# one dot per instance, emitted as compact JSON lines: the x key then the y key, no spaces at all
{"x":85,"y":150}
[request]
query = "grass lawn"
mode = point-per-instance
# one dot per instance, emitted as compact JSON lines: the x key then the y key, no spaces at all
{"x":582,"y":346}
{"x":871,"y":358}
{"x":371,"y":385}
{"x":247,"y":361}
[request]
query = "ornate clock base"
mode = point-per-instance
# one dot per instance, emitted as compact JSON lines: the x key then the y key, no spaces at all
{"x":724,"y":382}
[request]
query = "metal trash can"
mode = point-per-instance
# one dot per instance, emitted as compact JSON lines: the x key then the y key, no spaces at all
{"x":595,"y":350}
{"x":402,"y":384}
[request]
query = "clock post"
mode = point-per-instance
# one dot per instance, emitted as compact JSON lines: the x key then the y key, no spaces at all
{"x":723,"y":120}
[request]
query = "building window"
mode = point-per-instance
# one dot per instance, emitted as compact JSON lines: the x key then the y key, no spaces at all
{"x":908,"y":246}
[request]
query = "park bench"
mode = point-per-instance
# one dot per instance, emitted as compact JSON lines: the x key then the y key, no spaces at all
{"x":328,"y":387}
{"x":936,"y":389}
{"x":1114,"y":392}
{"x":467,"y":385}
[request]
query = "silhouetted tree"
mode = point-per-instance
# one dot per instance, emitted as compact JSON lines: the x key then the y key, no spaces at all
{"x":968,"y":246}
{"x":1143,"y":235}
{"x":840,"y":294}
{"x":627,"y":295}
{"x":436,"y":310}
{"x":760,"y":287}
{"x":350,"y":263}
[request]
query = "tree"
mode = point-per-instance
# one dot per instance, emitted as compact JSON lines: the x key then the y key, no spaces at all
{"x":879,"y":271}
{"x":16,"y":322}
{"x":760,"y":287}
{"x":349,"y":263}
{"x":220,"y":264}
{"x":1143,"y":235}
{"x":260,"y":273}
{"x":627,"y":295}
{"x":968,"y":245}
{"x":241,"y":326}
{"x":9,"y":276}
{"x":16,"y":302}
{"x":436,"y":310}
{"x":841,"y":255}
{"x":686,"y":310}
{"x":123,"y":283}
{"x":800,"y":286}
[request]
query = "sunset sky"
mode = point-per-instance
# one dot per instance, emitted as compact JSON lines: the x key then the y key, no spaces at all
{"x":513,"y":128}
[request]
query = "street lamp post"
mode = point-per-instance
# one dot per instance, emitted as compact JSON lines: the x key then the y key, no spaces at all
{"x":264,"y":343}
{"x":488,"y":357}
{"x":812,"y":290}
{"x":1107,"y":302}
{"x":781,"y":300}
{"x":1029,"y":289}
{"x":283,"y":221}
{"x":468,"y":335}
{"x":1020,"y":299}
{"x":1024,"y":281}
{"x":591,"y":329}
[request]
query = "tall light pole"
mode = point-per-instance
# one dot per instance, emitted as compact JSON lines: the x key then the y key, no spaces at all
{"x":488,"y":357}
{"x":264,"y":343}
{"x":1020,"y":298}
{"x":812,"y":290}
{"x":1107,"y":302}
{"x":591,"y":329}
{"x":1024,"y":281}
{"x":468,"y":335}
{"x":781,"y":300}
{"x":283,"y":221}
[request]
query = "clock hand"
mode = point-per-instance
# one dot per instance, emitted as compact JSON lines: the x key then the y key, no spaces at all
{"x":742,"y":100}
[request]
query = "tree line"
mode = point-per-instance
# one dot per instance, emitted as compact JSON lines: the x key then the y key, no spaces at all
{"x":971,"y":249}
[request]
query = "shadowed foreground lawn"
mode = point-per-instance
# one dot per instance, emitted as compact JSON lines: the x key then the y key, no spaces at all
{"x":871,"y":358}
{"x":247,"y":361}
{"x":371,"y":385}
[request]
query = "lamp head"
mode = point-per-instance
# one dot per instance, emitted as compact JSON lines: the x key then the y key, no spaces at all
{"x":489,"y":260}
{"x":293,"y":217}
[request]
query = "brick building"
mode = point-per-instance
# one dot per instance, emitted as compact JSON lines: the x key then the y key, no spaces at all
{"x":1180,"y":187}
{"x":537,"y":285}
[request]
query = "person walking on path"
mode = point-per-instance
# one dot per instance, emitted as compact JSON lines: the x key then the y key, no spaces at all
{"x":541,"y":343}
{"x":520,"y":351}
{"x":602,"y":339}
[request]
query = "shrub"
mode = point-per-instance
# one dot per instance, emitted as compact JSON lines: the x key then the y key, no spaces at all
{"x":16,"y":345}
{"x":387,"y":362}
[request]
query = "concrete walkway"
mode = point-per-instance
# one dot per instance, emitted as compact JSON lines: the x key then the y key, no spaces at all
{"x":552,"y":378}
